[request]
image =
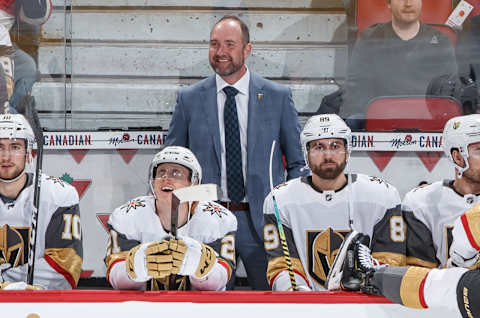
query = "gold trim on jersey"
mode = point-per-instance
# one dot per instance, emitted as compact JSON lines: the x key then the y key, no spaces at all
{"x":473,"y":219}
{"x":410,"y":286}
{"x":229,"y":270}
{"x":67,"y":259}
{"x":392,"y":259}
{"x":414,"y":261}
{"x":278,"y":264}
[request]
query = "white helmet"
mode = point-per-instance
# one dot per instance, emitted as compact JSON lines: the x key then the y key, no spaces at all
{"x":15,"y":126}
{"x":322,"y":127}
{"x":181,"y":156}
{"x":459,"y":133}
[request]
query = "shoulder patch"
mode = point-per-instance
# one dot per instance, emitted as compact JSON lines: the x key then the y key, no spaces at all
{"x":379,"y":181}
{"x":56,"y":180}
{"x":132,"y":205}
{"x":214,"y":209}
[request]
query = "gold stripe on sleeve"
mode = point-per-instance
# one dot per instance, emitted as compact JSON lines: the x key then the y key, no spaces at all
{"x":278,"y":264}
{"x":67,"y":259}
{"x":414,"y":261}
{"x":410,"y":286}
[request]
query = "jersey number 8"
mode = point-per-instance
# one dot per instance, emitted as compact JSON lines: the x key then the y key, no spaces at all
{"x":397,"y":229}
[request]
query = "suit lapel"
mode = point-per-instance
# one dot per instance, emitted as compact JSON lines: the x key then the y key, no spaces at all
{"x":209,"y":101}
{"x":255,"y":103}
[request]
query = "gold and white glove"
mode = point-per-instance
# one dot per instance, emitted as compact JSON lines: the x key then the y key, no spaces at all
{"x":191,"y":257}
{"x":19,"y":286}
{"x":149,"y":260}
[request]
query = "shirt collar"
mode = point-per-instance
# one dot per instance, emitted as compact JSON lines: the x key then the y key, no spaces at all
{"x":241,"y":85}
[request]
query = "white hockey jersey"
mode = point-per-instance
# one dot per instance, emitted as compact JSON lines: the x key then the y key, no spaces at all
{"x":58,"y":254}
{"x":430,"y":213}
{"x":136,"y":222}
{"x":316,"y":222}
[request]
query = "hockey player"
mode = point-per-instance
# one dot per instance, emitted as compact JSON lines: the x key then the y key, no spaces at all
{"x":455,"y":288}
{"x":430,"y":211}
{"x":141,"y":249}
{"x":319,"y":210}
{"x":59,"y":242}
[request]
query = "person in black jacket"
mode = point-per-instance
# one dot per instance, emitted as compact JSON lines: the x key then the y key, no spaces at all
{"x":399,"y":57}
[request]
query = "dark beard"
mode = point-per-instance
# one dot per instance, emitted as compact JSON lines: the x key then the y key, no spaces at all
{"x":328,"y":173}
{"x":234,"y":67}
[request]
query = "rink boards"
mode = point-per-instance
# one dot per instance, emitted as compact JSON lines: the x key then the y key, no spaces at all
{"x":241,"y":304}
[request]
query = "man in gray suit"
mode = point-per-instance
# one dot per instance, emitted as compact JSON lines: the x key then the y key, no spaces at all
{"x":229,"y":121}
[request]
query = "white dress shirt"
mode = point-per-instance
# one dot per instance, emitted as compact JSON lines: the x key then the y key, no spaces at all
{"x":242,"y":85}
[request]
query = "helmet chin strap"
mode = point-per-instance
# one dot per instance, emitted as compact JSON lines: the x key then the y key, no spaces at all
{"x":16,"y":178}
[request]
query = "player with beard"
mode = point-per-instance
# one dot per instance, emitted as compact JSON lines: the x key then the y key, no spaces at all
{"x":59,"y":243}
{"x":317,"y":211}
{"x":141,"y":248}
{"x":430,"y":211}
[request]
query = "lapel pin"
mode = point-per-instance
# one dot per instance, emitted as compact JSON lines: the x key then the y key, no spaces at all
{"x":259,"y":96}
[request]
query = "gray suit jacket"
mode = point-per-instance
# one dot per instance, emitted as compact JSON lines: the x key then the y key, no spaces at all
{"x":272,"y":117}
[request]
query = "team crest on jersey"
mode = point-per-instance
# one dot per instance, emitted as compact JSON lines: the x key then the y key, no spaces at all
{"x":133,"y":204}
{"x":214,"y":209}
{"x":322,"y":247}
{"x":379,"y":181}
{"x":14,"y":248}
{"x":56,"y":180}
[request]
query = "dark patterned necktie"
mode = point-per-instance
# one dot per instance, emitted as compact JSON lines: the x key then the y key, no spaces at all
{"x":233,"y":150}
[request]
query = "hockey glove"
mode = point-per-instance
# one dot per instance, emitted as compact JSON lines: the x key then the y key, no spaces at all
{"x":149,"y":260}
{"x":194,"y":258}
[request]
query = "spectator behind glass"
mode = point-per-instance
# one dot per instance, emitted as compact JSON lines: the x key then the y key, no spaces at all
{"x":468,"y":45}
{"x":395,"y":58}
{"x":23,"y":70}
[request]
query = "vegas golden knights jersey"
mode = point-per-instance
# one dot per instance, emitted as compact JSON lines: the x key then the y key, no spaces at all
{"x":316,"y":222}
{"x":58,"y":255}
{"x":136,"y":222}
{"x":430,"y":213}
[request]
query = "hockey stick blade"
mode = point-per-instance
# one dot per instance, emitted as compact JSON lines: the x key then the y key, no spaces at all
{"x":201,"y":192}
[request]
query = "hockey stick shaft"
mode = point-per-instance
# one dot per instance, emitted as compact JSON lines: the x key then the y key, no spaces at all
{"x":283,"y":239}
{"x":173,"y":231}
{"x":32,"y":117}
{"x":202,"y":192}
